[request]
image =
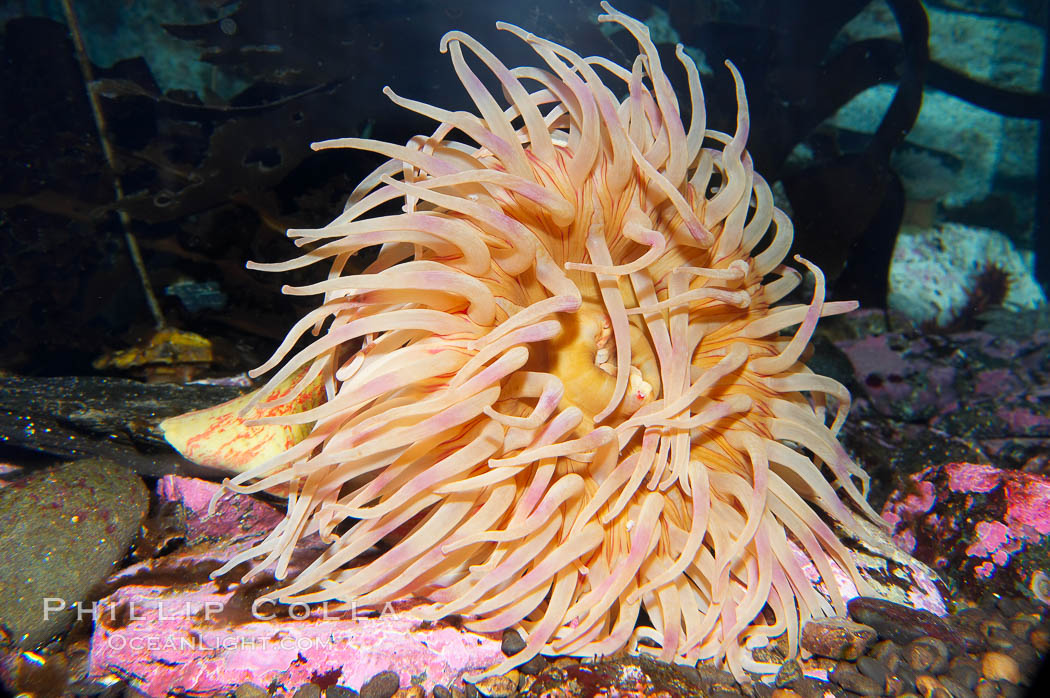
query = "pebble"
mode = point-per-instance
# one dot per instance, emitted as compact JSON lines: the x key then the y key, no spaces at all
{"x":837,"y":638}
{"x":512,"y":642}
{"x":997,"y":666}
{"x":498,"y":686}
{"x":1040,"y":639}
{"x":929,"y":687}
{"x":535,"y":665}
{"x":997,"y":635}
{"x":888,"y":653}
{"x":789,"y":672}
{"x":1009,"y":690}
{"x":956,"y":689}
{"x":1021,"y":626}
{"x":339,"y":692}
{"x":382,"y":685}
{"x":812,"y":688}
{"x":442,"y":692}
{"x":855,"y":682}
{"x":873,"y":669}
{"x":310,"y":690}
{"x":907,"y":676}
{"x":927,"y":655}
{"x":249,"y":690}
{"x":410,"y":692}
{"x":965,"y":670}
{"x":1026,"y":657}
{"x":785,"y":693}
{"x":986,"y":689}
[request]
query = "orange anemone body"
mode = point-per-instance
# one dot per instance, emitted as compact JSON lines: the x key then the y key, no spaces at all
{"x":567,"y":373}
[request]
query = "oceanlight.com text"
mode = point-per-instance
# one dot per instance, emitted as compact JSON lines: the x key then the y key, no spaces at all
{"x":132,"y":609}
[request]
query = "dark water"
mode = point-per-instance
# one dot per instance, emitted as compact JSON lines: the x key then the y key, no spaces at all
{"x":869,"y":119}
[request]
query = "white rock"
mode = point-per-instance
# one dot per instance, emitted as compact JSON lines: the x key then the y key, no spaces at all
{"x":933,"y":269}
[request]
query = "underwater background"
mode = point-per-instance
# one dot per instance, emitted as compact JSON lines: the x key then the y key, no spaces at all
{"x":151,"y":148}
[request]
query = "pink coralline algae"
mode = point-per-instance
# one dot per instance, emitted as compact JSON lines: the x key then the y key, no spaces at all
{"x":987,"y":530}
{"x":968,"y":477}
{"x":203,"y":641}
{"x":901,"y":381}
{"x":232,"y":514}
{"x":168,"y":627}
{"x":991,"y":537}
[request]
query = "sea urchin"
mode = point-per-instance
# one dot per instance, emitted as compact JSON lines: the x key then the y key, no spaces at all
{"x":563,"y":377}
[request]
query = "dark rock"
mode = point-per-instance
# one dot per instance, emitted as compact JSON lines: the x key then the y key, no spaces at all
{"x":76,"y":418}
{"x":837,"y":638}
{"x":757,"y":689}
{"x":902,"y":624}
{"x":62,"y":531}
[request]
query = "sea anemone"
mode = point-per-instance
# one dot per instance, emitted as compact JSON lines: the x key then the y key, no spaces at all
{"x":563,"y":383}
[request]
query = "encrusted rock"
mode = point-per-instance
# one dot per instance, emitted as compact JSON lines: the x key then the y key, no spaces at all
{"x":61,"y":533}
{"x":498,"y":686}
{"x":789,"y":672}
{"x":169,"y":627}
{"x":837,"y":638}
{"x":987,"y":529}
{"x":626,"y":676}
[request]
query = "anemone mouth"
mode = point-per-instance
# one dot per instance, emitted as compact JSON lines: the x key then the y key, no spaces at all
{"x":572,"y":388}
